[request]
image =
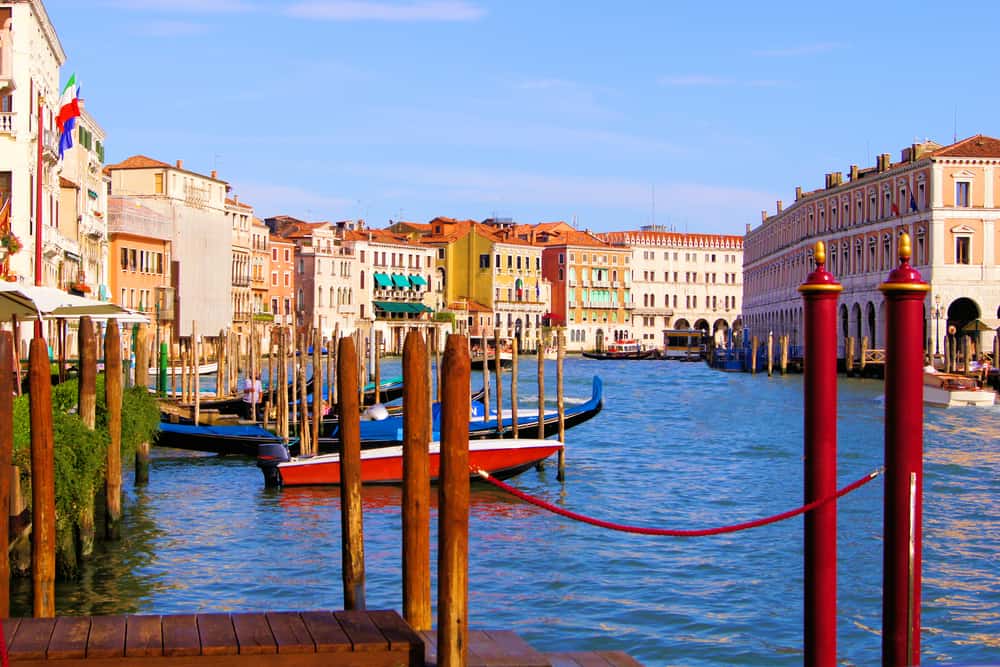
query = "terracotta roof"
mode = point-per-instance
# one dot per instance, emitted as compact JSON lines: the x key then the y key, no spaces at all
{"x":66,"y":183}
{"x":139,"y":162}
{"x":379,"y":236}
{"x":977,"y":146}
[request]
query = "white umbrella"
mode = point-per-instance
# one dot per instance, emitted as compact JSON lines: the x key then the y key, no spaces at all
{"x":30,"y":302}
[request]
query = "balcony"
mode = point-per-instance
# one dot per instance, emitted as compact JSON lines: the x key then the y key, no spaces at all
{"x":50,"y":145}
{"x":241,"y":281}
{"x":93,"y":228}
{"x":8,"y":122}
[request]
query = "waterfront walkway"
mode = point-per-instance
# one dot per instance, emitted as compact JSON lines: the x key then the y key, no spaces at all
{"x":286,"y":639}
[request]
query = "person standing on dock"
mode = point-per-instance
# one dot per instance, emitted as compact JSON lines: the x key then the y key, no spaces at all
{"x":252,"y":392}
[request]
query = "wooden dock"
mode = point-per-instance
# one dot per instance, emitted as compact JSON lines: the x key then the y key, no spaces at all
{"x":269,"y":639}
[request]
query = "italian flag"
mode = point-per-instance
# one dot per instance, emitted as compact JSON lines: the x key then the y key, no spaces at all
{"x":69,"y":110}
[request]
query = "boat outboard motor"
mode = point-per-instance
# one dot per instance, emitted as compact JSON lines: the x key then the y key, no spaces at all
{"x":269,"y":455}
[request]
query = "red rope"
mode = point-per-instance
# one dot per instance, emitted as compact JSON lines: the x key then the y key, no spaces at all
{"x":673,"y":532}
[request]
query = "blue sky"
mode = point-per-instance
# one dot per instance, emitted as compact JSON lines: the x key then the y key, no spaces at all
{"x":612,"y":114}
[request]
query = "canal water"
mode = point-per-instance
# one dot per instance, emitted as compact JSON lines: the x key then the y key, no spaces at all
{"x":677,"y":445}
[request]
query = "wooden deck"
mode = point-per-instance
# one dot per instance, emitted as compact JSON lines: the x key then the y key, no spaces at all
{"x":281,"y":639}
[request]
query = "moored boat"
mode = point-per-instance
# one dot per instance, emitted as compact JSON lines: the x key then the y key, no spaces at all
{"x":621,"y":349}
{"x":948,"y":390}
{"x":500,"y":458}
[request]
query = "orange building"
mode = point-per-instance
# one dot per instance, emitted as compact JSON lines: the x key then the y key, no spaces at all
{"x":281,"y":282}
{"x":139,"y":271}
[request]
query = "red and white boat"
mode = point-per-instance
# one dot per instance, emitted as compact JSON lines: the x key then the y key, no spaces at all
{"x":501,"y":458}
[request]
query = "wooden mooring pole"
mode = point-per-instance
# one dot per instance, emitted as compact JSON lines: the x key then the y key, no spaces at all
{"x":560,"y":404}
{"x":43,"y":489}
{"x":87,"y":387}
{"x":770,"y":353}
{"x":416,"y":484}
{"x":513,"y":385}
{"x":486,"y":378}
{"x":351,"y":525}
{"x":142,"y":380}
{"x":498,"y":366}
{"x":453,"y":508}
{"x":540,"y":353}
{"x":113,"y":401}
{"x":754,"y":345}
{"x":7,"y":376}
{"x":820,"y":293}
{"x":905,"y":293}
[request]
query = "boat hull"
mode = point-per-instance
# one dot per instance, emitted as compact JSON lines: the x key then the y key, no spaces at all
{"x":607,"y":356}
{"x":950,"y":398}
{"x":500,"y":458}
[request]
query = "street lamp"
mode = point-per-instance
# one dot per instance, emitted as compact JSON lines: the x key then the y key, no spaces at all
{"x":937,"y":324}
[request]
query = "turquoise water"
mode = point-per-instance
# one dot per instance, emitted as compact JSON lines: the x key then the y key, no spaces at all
{"x":677,"y":445}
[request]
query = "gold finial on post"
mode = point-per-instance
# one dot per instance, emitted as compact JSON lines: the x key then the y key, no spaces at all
{"x":819,"y":253}
{"x":905,"y":249}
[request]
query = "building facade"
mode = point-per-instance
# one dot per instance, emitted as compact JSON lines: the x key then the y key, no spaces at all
{"x":682,"y":281}
{"x":281,"y":279}
{"x":239,"y":218}
{"x":30,"y":58}
{"x":394,"y":283}
{"x":591,"y":285}
{"x":947,"y":198}
{"x":201,"y":241}
{"x":260,"y":267}
{"x":140,"y":245}
{"x":83,"y":209}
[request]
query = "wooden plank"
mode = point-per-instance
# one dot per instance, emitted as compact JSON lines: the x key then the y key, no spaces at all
{"x":217,"y":634}
{"x":290,"y":633}
{"x":326,"y":632}
{"x":400,"y":635}
{"x":562,"y":659}
{"x":180,"y":636}
{"x":506,"y":648}
{"x":69,"y":638}
{"x":10,"y":626}
{"x":254,"y":634}
{"x":32,"y":639}
{"x":143,"y":636}
{"x":107,"y":637}
{"x":362,"y":631}
{"x":430,"y":646}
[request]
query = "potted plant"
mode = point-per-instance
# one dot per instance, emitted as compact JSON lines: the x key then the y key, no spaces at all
{"x":10,"y":242}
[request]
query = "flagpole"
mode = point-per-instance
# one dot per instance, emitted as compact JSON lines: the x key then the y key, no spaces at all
{"x":38,"y":213}
{"x":38,"y":198}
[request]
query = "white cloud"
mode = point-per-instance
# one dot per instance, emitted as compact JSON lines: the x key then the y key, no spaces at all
{"x":796,"y":51}
{"x":365,"y":10}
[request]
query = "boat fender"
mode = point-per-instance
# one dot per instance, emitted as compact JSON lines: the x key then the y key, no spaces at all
{"x":375,"y":413}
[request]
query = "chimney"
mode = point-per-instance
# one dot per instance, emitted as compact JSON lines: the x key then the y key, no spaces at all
{"x":236,"y":199}
{"x":779,"y":206}
{"x":748,"y":228}
{"x":215,"y":174}
{"x":798,"y":192}
{"x":763,"y":216}
{"x":854,"y":172}
{"x":180,"y":164}
{"x":838,"y":178}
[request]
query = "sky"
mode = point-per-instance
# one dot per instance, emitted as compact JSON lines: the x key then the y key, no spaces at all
{"x":608,"y":115}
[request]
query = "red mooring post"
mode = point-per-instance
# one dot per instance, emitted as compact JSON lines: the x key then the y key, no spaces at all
{"x":904,"y":292}
{"x":819,"y":295}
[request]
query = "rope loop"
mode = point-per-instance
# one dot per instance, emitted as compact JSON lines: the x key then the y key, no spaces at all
{"x":670,"y":532}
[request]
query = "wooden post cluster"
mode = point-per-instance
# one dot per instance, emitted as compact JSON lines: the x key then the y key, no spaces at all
{"x":453,"y":508}
{"x":416,"y":484}
{"x":352,"y":531}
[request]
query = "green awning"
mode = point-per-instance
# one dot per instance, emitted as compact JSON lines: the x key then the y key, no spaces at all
{"x":421,"y":308}
{"x":392,"y":307}
{"x":400,"y":280}
{"x":418,"y":280}
{"x":382,"y":280}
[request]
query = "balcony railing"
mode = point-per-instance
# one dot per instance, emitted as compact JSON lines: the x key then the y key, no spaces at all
{"x":8,"y":122}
